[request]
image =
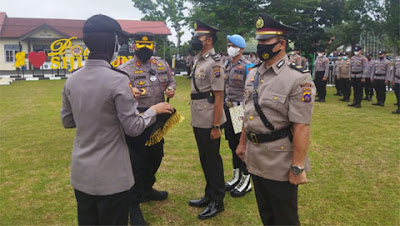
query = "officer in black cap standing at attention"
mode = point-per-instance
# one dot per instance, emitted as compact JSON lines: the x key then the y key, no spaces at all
{"x":278,"y":109}
{"x":98,"y":102}
{"x":207,"y":96}
{"x":358,"y":71}
{"x":380,"y":75}
{"x":321,"y":69}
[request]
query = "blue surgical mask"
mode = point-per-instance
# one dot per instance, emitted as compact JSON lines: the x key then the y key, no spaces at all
{"x":345,"y":58}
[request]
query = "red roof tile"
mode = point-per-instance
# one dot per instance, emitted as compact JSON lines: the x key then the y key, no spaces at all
{"x":17,"y":27}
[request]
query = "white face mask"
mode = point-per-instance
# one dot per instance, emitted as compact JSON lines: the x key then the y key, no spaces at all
{"x":232,"y":51}
{"x":357,"y":52}
{"x":117,"y":47}
{"x":320,"y":54}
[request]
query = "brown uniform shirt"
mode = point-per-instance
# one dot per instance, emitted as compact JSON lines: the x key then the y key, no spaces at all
{"x":381,"y":70}
{"x":286,"y":96}
{"x":396,"y":70}
{"x":151,"y":86}
{"x":209,"y":76}
{"x":358,"y":66}
{"x":296,"y":58}
{"x":343,"y":69}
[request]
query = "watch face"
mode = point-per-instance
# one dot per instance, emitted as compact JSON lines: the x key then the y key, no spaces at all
{"x":296,"y":170}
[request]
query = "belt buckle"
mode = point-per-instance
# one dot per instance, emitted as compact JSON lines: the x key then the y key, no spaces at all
{"x":253,"y":138}
{"x":230,"y":104}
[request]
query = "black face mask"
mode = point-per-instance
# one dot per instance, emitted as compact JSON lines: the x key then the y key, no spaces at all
{"x":265,"y":51}
{"x":381,"y":57}
{"x":144,"y":54}
{"x":197,"y":44}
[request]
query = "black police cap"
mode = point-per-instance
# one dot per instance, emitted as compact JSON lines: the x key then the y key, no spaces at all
{"x":267,"y":27}
{"x":202,"y":28}
{"x":357,"y":48}
{"x":321,"y":50}
{"x":103,"y":23}
{"x":381,"y":52}
{"x":143,"y":36}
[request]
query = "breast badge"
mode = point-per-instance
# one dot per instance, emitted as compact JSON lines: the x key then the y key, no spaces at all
{"x":140,"y":83}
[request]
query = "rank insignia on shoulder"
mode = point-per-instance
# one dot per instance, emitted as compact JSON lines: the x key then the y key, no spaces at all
{"x":153,"y":61}
{"x":138,"y":63}
{"x":140,"y":83}
{"x":216,"y":57}
{"x":240,"y":67}
{"x":138,"y":72}
{"x":298,"y":68}
{"x":306,"y":98}
{"x":161,"y":68}
{"x":280,"y":64}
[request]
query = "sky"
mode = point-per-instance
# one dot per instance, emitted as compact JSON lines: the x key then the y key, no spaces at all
{"x":76,"y":9}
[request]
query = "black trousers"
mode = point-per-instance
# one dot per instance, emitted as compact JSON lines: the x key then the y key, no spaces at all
{"x":357,"y":87}
{"x":146,"y":161}
{"x":380,"y":89}
{"x":102,"y":210}
{"x":338,"y":85}
{"x":277,"y":201}
{"x":211,"y":162}
{"x":368,"y":88}
{"x":396,"y":90}
{"x":320,"y":85}
{"x":233,"y":141}
{"x":346,"y":84}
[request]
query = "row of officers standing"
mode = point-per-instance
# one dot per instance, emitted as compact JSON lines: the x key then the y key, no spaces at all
{"x":115,"y":110}
{"x":361,"y":73}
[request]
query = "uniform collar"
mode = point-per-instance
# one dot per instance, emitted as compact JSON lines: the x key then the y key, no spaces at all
{"x":97,"y":63}
{"x":277,"y":67}
{"x":208,"y":54}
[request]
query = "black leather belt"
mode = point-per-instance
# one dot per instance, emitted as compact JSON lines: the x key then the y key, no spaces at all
{"x":356,"y":72}
{"x":206,"y":95}
{"x":379,"y":75}
{"x":271,"y":136}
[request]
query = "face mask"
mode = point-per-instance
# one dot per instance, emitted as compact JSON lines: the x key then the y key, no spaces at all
{"x":345,"y":58}
{"x":197,"y":44}
{"x":117,"y":47}
{"x":232,"y":51}
{"x":357,"y":52}
{"x":144,"y":54}
{"x":320,"y":54}
{"x":265,"y":51}
{"x":381,"y":57}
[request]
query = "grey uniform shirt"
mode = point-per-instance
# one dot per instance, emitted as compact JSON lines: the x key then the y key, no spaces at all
{"x":381,"y":69}
{"x":235,"y":74}
{"x":151,"y":86}
{"x":100,"y":104}
{"x":343,"y":69}
{"x":286,"y":96}
{"x":370,"y":67}
{"x":396,"y":70}
{"x":358,"y":66}
{"x":209,"y":76}
{"x":321,"y":64}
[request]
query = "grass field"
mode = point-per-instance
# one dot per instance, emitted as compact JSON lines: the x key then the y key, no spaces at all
{"x":355,"y":158}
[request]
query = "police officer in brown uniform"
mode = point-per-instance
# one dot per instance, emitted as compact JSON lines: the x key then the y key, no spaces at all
{"x":338,"y":83}
{"x":236,"y":68}
{"x":368,"y":87}
{"x":98,"y":102}
{"x":153,"y":79}
{"x":396,"y":81}
{"x":321,"y":68}
{"x":343,"y":73}
{"x":380,"y":75}
{"x":358,"y":70}
{"x":278,"y":109}
{"x":207,"y":97}
{"x":295,"y":58}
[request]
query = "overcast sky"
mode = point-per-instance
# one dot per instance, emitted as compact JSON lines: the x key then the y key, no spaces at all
{"x":75,"y":9}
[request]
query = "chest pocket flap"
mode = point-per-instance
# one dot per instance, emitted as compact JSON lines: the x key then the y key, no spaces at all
{"x":274,"y":97}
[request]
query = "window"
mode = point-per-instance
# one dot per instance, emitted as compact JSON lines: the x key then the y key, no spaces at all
{"x":10,"y":51}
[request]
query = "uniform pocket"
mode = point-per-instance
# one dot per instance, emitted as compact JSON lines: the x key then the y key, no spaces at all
{"x":144,"y":88}
{"x":272,"y":103}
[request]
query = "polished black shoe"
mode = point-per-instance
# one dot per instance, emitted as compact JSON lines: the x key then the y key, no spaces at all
{"x":158,"y":195}
{"x":396,"y":112}
{"x":396,"y":104}
{"x":243,"y":187}
{"x":203,"y":202}
{"x":336,"y":94}
{"x":352,"y":105}
{"x":381,"y":104}
{"x":365,"y":98}
{"x":370,"y":99}
{"x":212,"y":210}
{"x":357,"y":106}
{"x":320,"y":100}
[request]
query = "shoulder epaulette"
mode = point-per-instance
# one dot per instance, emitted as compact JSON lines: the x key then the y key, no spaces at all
{"x":216,"y":56}
{"x":299,"y":68}
{"x":120,"y":71}
{"x":257,"y":65}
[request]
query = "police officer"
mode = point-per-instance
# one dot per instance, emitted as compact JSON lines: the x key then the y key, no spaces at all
{"x":154,"y":80}
{"x":321,"y":68}
{"x":338,"y":83}
{"x":304,"y":62}
{"x":278,"y":108}
{"x":295,"y":58}
{"x":396,"y":81}
{"x":207,"y":97}
{"x":358,"y":70}
{"x":98,"y":102}
{"x":368,"y":87}
{"x":380,"y":75}
{"x":236,"y":68}
{"x":344,"y":76}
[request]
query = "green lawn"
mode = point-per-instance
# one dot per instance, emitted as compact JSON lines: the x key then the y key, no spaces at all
{"x":355,"y":156}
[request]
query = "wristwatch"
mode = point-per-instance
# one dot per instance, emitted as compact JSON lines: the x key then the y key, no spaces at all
{"x":216,"y":127}
{"x":296,"y":169}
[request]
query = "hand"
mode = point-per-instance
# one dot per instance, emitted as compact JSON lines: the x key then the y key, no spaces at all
{"x":297,"y":179}
{"x":241,"y":151}
{"x":386,"y":82}
{"x":215,"y":134}
{"x":324,"y":78}
{"x":337,"y":77}
{"x":363,"y":80}
{"x":162,"y":108}
{"x":136,"y":93}
{"x":371,"y":80}
{"x":170,"y":92}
